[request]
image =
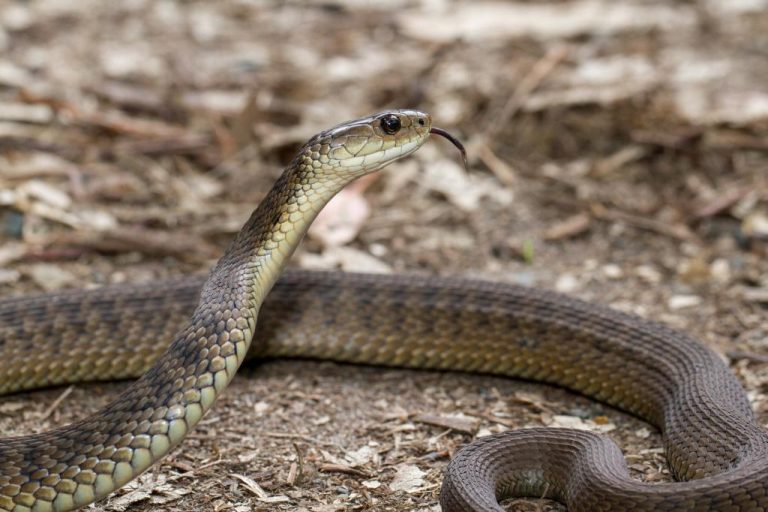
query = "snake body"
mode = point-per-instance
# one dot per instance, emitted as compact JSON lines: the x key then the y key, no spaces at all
{"x":712,"y":440}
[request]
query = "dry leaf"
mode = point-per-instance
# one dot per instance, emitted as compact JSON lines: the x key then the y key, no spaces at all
{"x":408,"y":478}
{"x":344,"y":216}
{"x":344,"y":258}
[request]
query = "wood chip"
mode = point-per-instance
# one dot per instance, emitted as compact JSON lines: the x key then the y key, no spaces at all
{"x":152,"y":242}
{"x":343,"y":468}
{"x":569,"y":228}
{"x":460,"y":423}
{"x":753,"y":294}
{"x":723,"y":200}
{"x":56,"y":403}
{"x":618,"y":160}
{"x":251,"y":485}
{"x":21,"y":112}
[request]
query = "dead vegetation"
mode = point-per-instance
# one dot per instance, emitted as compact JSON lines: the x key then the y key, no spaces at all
{"x":619,"y":153}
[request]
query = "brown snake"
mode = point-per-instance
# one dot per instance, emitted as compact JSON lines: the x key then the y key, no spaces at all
{"x":712,"y":440}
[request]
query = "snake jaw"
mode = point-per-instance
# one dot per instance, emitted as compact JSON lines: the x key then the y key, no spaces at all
{"x":368,"y":144}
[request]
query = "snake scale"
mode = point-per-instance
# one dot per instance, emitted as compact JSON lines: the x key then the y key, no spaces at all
{"x":713,"y":444}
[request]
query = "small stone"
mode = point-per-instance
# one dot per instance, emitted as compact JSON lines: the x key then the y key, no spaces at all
{"x":567,"y":283}
{"x":321,"y":420}
{"x":260,"y":408}
{"x":683,"y":301}
{"x":564,"y":421}
{"x":642,"y":433}
{"x":613,"y":271}
{"x":755,"y":225}
{"x":17,"y":17}
{"x":50,"y":277}
{"x":371,"y":484}
{"x":378,"y":250}
{"x":720,"y":270}
{"x":648,"y":274}
{"x":9,"y":276}
{"x":483,"y":432}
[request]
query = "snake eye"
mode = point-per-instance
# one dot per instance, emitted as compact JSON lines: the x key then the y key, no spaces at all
{"x":390,"y":124}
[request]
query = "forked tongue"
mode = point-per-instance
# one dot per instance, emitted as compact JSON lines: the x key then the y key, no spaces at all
{"x":454,"y":141}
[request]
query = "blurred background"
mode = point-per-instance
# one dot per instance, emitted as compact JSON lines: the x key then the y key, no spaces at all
{"x":619,"y":153}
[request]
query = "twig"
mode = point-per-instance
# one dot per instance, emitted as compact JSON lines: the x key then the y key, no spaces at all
{"x":307,"y":439}
{"x":191,"y":473}
{"x":601,"y":212}
{"x":748,"y":356}
{"x":724,"y":200}
{"x":530,"y":82}
{"x":340,"y":468}
{"x":501,"y":169}
{"x":297,"y":468}
{"x":251,"y":485}
{"x":146,"y":241}
{"x":56,"y":403}
{"x":165,"y":145}
{"x":679,"y":231}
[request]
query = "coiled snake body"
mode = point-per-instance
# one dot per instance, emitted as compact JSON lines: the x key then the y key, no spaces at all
{"x":713,"y":442}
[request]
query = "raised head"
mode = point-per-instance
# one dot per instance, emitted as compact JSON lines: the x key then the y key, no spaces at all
{"x":368,"y":144}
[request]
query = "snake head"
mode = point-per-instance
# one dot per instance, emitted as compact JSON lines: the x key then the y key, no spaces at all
{"x":368,"y":144}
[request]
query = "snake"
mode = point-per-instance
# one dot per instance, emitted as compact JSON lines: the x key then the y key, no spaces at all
{"x":715,"y":448}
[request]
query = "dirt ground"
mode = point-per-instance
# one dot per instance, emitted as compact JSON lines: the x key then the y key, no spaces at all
{"x":619,"y":153}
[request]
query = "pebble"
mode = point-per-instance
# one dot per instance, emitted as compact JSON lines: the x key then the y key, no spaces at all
{"x":261,"y":408}
{"x":563,"y":421}
{"x":648,"y":274}
{"x":683,"y":301}
{"x":50,"y":277}
{"x":483,"y":432}
{"x":613,"y":271}
{"x":17,"y":17}
{"x":378,"y":250}
{"x":755,"y":225}
{"x":720,"y":270}
{"x":642,"y":433}
{"x":8,"y":276}
{"x":567,"y":283}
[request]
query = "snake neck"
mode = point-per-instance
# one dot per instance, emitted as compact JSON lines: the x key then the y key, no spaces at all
{"x":258,"y":254}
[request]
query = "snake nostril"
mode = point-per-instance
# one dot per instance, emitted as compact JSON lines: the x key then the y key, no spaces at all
{"x":421,"y":122}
